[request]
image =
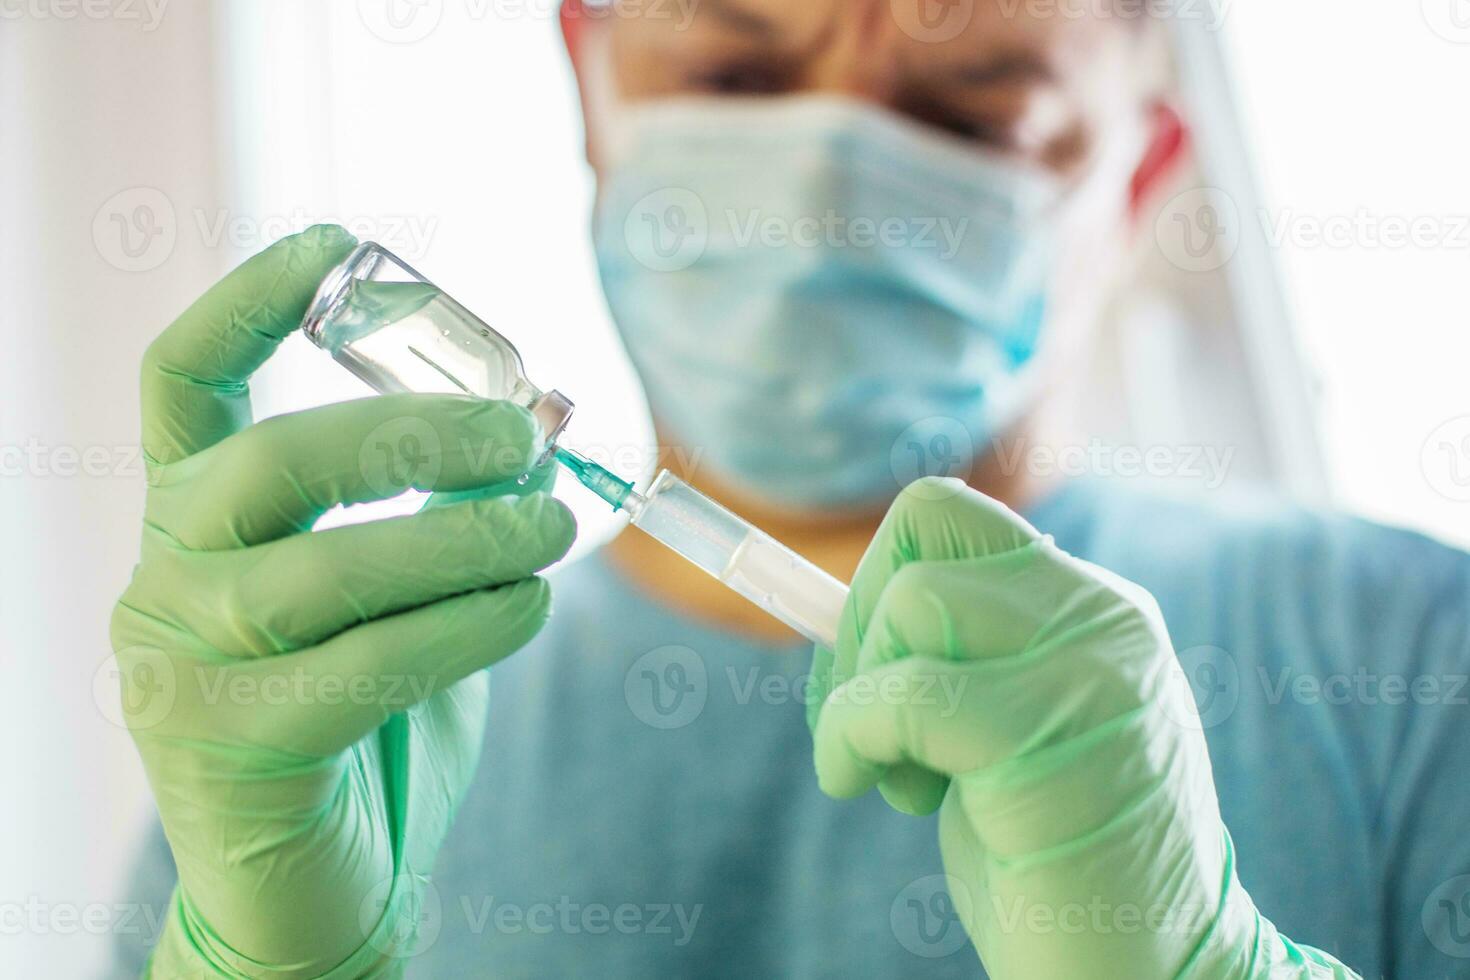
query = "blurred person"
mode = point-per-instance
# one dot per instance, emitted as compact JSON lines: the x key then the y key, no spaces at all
{"x":1007,"y":658}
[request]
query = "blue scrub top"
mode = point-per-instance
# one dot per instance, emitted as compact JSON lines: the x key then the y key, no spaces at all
{"x":646,"y":804}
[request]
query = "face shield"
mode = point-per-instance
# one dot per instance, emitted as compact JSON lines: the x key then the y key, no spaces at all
{"x":1196,"y":357}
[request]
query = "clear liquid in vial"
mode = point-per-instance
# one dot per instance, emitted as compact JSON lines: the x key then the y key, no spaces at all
{"x":411,"y":336}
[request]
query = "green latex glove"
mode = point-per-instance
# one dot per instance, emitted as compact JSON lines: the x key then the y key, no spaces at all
{"x":1078,"y":822}
{"x":310,"y":706}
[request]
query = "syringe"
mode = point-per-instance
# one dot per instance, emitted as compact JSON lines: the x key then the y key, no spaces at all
{"x":735,"y":552}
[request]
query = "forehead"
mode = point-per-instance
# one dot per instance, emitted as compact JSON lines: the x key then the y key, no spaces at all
{"x":933,"y":33}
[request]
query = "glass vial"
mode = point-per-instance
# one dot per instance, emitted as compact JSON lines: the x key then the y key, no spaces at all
{"x":399,"y":332}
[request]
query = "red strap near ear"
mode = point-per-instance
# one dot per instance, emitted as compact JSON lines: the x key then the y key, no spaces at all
{"x":572,"y":17}
{"x":1170,"y":140}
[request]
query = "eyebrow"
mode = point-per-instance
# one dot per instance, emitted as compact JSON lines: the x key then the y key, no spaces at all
{"x":1006,"y":68}
{"x":736,"y":17}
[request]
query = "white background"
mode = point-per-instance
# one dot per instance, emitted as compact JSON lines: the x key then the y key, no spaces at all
{"x":1358,"y":109}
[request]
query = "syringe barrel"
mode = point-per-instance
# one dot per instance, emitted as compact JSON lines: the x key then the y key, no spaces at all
{"x":742,"y":556}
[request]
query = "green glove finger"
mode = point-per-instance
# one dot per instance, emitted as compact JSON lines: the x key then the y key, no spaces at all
{"x":948,"y":717}
{"x":933,"y":519}
{"x":279,"y":476}
{"x":944,"y":610}
{"x":540,"y":480}
{"x":293,"y":593}
{"x":193,"y":380}
{"x":910,"y":788}
{"x":319,"y":701}
{"x":428,"y":650}
{"x":858,"y":737}
{"x":903,"y":713}
{"x":968,"y":609}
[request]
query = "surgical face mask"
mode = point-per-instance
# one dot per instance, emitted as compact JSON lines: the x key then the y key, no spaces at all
{"x":823,"y":300}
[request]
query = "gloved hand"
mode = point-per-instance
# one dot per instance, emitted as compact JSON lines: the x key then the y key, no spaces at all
{"x":1078,"y":822}
{"x":310,"y":706}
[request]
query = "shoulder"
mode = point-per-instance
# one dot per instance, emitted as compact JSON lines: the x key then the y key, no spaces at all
{"x":1253,"y":525}
{"x":1261,"y":557}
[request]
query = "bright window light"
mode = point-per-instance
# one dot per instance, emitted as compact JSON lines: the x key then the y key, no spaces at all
{"x":1356,"y":116}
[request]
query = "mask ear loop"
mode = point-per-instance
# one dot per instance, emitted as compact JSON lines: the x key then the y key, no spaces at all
{"x":1107,"y":178}
{"x":1105,"y":175}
